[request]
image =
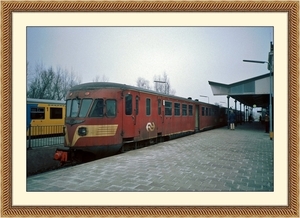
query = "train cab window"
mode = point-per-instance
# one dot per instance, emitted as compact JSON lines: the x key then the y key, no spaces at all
{"x":184,"y":110}
{"x":177,"y":109}
{"x":56,"y":113}
{"x":168,"y":108}
{"x":190,"y":110}
{"x":37,"y":113}
{"x":159,"y":107}
{"x":75,"y":107}
{"x":111,"y":108}
{"x":97,"y":108}
{"x":148,"y":106}
{"x":85,"y":105}
{"x":128,"y":104}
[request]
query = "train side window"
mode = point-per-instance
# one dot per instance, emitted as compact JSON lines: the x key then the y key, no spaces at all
{"x":190,"y":110}
{"x":128,"y":104}
{"x":203,"y":111}
{"x":209,"y":111}
{"x":97,"y":108}
{"x":184,"y":109}
{"x":206,"y":111}
{"x":148,"y":106}
{"x":177,"y":109}
{"x":37,"y":113}
{"x":168,"y":108}
{"x":55,"y":113}
{"x":85,"y":105}
{"x":111,"y":108}
{"x":159,"y":107}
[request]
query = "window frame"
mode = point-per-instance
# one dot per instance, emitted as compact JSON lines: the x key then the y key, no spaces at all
{"x":203,"y":111}
{"x":148,"y":106}
{"x":53,"y":115}
{"x":191,"y":110}
{"x":78,"y":107}
{"x":128,"y":108}
{"x":168,"y":108}
{"x":37,"y":113}
{"x":115,"y":108}
{"x":184,"y":109}
{"x":93,"y":108}
{"x":87,"y":110}
{"x":177,"y":109}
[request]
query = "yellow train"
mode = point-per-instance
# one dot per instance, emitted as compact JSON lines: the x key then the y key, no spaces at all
{"x":45,"y":118}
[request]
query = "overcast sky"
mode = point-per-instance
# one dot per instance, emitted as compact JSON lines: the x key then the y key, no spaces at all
{"x":191,"y":56}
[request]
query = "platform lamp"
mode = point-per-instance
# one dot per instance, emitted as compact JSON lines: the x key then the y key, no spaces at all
{"x":165,"y":82}
{"x":270,"y":63}
{"x":204,"y":96}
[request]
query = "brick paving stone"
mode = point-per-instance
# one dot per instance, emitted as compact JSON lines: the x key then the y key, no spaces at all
{"x":215,"y":160}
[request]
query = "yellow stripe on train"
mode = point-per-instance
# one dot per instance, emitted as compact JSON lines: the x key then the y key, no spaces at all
{"x":95,"y":131}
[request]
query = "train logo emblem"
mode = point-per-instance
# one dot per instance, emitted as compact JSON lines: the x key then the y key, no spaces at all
{"x":150,"y":126}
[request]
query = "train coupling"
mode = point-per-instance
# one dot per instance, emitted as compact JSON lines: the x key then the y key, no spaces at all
{"x":62,"y":155}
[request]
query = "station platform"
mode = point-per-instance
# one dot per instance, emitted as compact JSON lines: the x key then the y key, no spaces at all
{"x":215,"y":160}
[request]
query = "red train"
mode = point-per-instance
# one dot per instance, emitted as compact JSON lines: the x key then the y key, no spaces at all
{"x":103,"y":118}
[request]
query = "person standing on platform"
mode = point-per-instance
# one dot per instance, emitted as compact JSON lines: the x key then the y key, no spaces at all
{"x":232,"y":120}
{"x":267,"y":122}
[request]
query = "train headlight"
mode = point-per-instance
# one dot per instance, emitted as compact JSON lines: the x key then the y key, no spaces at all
{"x":82,"y":131}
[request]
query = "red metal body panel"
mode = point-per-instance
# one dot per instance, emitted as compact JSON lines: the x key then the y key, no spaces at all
{"x":102,"y":139}
{"x":140,"y":115}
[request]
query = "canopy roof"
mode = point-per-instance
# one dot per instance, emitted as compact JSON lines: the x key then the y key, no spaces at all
{"x":253,"y":91}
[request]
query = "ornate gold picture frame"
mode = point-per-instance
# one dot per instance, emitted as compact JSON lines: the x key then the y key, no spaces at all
{"x":8,"y":210}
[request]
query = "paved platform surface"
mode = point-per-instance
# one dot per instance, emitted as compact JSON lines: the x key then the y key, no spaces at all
{"x":215,"y":160}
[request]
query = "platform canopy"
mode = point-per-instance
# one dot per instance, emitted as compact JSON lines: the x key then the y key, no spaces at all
{"x":250,"y":92}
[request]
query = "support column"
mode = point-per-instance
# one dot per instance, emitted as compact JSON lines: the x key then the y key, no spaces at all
{"x":228,"y":111}
{"x":236,"y":113}
{"x":241,"y":117}
{"x":246,"y":115}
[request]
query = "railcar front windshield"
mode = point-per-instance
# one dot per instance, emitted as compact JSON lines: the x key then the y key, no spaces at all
{"x":75,"y":107}
{"x":80,"y":107}
{"x":85,"y":105}
{"x":97,"y":108}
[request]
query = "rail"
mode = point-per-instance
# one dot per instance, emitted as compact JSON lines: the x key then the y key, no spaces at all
{"x":42,"y":136}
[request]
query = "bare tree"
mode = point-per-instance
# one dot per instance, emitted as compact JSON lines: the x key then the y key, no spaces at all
{"x":96,"y":79}
{"x":50,"y":84}
{"x":143,"y":83}
{"x":103,"y":78}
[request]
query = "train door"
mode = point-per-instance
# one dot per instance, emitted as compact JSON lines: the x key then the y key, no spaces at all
{"x":136,"y":112}
{"x":159,"y":117}
{"x":168,"y":115}
{"x":129,"y":116}
{"x":197,"y":118}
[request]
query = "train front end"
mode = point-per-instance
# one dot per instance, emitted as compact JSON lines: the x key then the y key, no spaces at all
{"x":92,"y":127}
